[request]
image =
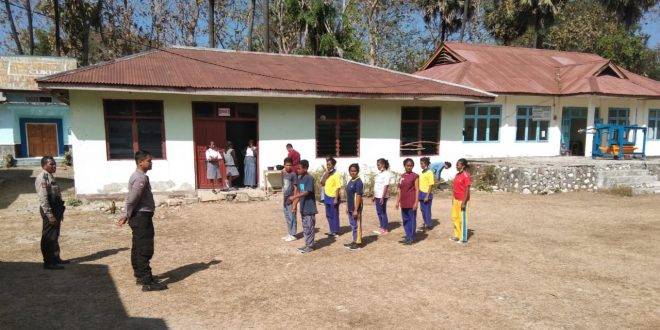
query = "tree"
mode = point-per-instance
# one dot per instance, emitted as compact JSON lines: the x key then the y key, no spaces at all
{"x":14,"y":33}
{"x":28,"y":9}
{"x":464,"y":19}
{"x":580,"y":25}
{"x":505,"y":21}
{"x":541,"y":13}
{"x":211,"y":22}
{"x":443,"y":16}
{"x":253,"y":11}
{"x":629,"y":12}
{"x":58,"y":38}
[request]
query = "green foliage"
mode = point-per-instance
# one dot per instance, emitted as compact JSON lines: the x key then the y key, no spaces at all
{"x":486,"y":178}
{"x":580,"y":25}
{"x":625,"y":49}
{"x":74,"y":202}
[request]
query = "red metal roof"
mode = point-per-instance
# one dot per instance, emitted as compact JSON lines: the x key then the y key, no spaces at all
{"x":209,"y":69}
{"x":514,"y":70}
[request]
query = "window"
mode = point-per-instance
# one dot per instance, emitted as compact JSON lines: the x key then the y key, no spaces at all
{"x":528,"y":129}
{"x":618,"y":116}
{"x":337,"y":130}
{"x":133,"y":125}
{"x":420,"y":131}
{"x":654,"y":124}
{"x":482,"y":123}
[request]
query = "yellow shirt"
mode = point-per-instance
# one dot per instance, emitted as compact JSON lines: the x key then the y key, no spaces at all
{"x":332,"y":183}
{"x":426,"y":181}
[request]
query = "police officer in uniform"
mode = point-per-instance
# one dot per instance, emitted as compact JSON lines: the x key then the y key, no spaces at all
{"x":140,"y":208}
{"x":51,"y":208}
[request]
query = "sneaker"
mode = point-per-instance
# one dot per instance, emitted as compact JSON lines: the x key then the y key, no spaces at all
{"x":331,"y":234}
{"x":355,"y":247}
{"x":305,"y":249}
{"x":462,"y":242}
{"x":453,"y":239}
{"x":153,"y":279}
{"x":154,"y":286}
{"x":385,"y":231}
{"x":348,"y":245}
{"x":408,"y":242}
{"x":378,"y":231}
{"x":63,"y":262}
{"x":290,"y":238}
{"x":429,"y":227}
{"x":404,"y":240}
{"x":285,"y":237}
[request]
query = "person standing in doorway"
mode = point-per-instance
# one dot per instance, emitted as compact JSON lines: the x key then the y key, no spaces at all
{"x":407,"y":200}
{"x":140,"y":209}
{"x":230,"y":164}
{"x":290,"y":188}
{"x":459,"y":209}
{"x":307,"y":205}
{"x":250,"y":170}
{"x":381,"y":194}
{"x":293,"y":154}
{"x":426,"y":184}
{"x":213,"y":158}
{"x":51,"y":208}
{"x":331,"y":183}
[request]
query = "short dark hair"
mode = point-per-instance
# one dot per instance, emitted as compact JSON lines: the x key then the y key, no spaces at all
{"x":141,"y":155}
{"x":408,"y":160}
{"x":425,"y":160}
{"x":289,"y":145}
{"x":448,"y":164}
{"x":355,"y":166}
{"x":288,"y":161}
{"x":332,"y":160}
{"x":304,"y":164}
{"x":45,"y":159}
{"x":464,"y":162}
{"x":385,"y":163}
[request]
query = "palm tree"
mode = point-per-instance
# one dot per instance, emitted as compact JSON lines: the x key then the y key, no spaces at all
{"x":448,"y":12}
{"x":629,"y":11}
{"x":540,"y":13}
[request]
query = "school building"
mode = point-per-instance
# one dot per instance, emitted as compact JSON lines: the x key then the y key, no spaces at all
{"x":172,"y":102}
{"x":545,"y":100}
{"x":33,"y":123}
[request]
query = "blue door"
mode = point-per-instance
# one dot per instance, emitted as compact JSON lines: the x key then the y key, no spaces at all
{"x":572,"y":119}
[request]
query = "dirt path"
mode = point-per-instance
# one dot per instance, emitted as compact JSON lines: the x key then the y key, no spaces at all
{"x":576,"y":260}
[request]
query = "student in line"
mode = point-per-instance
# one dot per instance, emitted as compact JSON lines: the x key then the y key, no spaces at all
{"x":290,"y":188}
{"x":354,"y":192}
{"x":381,"y":194}
{"x":407,"y":199}
{"x":459,"y":210}
{"x":426,"y":183}
{"x":332,"y":185}
{"x":307,"y":205}
{"x":324,"y":176}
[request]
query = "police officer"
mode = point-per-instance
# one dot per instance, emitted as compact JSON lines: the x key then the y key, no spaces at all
{"x":140,"y":208}
{"x":51,"y":208}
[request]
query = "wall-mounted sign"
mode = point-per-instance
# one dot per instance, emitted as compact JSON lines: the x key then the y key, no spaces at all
{"x":224,"y":112}
{"x":541,"y":113}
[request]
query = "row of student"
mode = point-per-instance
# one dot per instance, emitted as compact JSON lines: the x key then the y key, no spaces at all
{"x":413,"y":191}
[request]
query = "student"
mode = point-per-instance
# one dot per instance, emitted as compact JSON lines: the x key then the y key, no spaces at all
{"x":323,"y":178}
{"x":213,"y":157}
{"x":230,"y":163}
{"x":407,"y":199}
{"x":437,"y":169}
{"x":332,"y":184}
{"x":354,"y":192}
{"x":289,"y":188}
{"x":250,"y":165}
{"x":426,"y":193}
{"x":459,"y":210}
{"x":139,"y":214}
{"x":381,"y":194}
{"x":307,"y":205}
{"x":294,"y":155}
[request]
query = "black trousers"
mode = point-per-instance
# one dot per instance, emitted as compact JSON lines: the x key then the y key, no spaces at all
{"x":143,"y":244}
{"x":50,"y":235}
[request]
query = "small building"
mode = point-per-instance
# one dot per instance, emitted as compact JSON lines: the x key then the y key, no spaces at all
{"x":172,"y":102}
{"x":546,"y":99}
{"x":33,"y":123}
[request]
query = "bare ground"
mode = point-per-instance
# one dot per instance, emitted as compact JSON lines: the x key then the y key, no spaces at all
{"x":574,"y":260}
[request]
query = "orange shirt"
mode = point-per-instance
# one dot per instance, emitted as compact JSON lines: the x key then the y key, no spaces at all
{"x":461,"y":182}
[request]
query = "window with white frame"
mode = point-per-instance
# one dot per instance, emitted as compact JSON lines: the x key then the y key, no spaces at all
{"x":482,"y":123}
{"x":654,"y":124}
{"x":528,"y":129}
{"x":618,"y":116}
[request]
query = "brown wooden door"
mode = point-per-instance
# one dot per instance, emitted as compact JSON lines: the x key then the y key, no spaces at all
{"x":42,"y":140}
{"x":206,"y":130}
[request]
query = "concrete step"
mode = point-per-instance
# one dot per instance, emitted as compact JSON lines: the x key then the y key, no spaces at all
{"x":610,"y":173}
{"x":626,"y":181}
{"x":32,"y":161}
{"x":646,"y":190}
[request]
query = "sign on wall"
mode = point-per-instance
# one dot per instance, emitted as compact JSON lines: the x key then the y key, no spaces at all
{"x":541,"y":113}
{"x":224,"y":112}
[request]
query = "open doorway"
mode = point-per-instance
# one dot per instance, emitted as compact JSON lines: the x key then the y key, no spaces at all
{"x":572,"y":140}
{"x":239,"y":133}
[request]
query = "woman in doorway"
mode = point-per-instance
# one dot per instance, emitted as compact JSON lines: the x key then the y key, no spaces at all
{"x":230,"y":164}
{"x":250,"y":175}
{"x":213,"y":157}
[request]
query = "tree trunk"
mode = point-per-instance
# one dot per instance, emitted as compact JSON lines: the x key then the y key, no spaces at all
{"x":58,"y":40}
{"x":28,"y":8}
{"x":267,"y":22}
{"x":13,"y":28}
{"x":253,"y":9}
{"x":537,"y":28}
{"x":212,"y":23}
{"x":464,"y":20}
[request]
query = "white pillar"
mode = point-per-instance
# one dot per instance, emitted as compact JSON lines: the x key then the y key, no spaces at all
{"x":589,"y":139}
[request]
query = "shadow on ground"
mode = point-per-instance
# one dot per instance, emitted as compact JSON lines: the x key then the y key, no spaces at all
{"x":18,"y":181}
{"x":78,"y":297}
{"x":98,"y":255}
{"x":179,"y":274}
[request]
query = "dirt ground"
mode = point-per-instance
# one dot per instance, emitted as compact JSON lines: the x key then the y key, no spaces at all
{"x":573,"y":260}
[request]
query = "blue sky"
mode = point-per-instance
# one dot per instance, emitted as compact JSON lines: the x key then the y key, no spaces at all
{"x":651,"y":26}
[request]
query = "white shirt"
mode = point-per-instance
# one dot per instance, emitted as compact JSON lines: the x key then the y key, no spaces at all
{"x":210,"y":154}
{"x":250,"y":152}
{"x":382,"y":179}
